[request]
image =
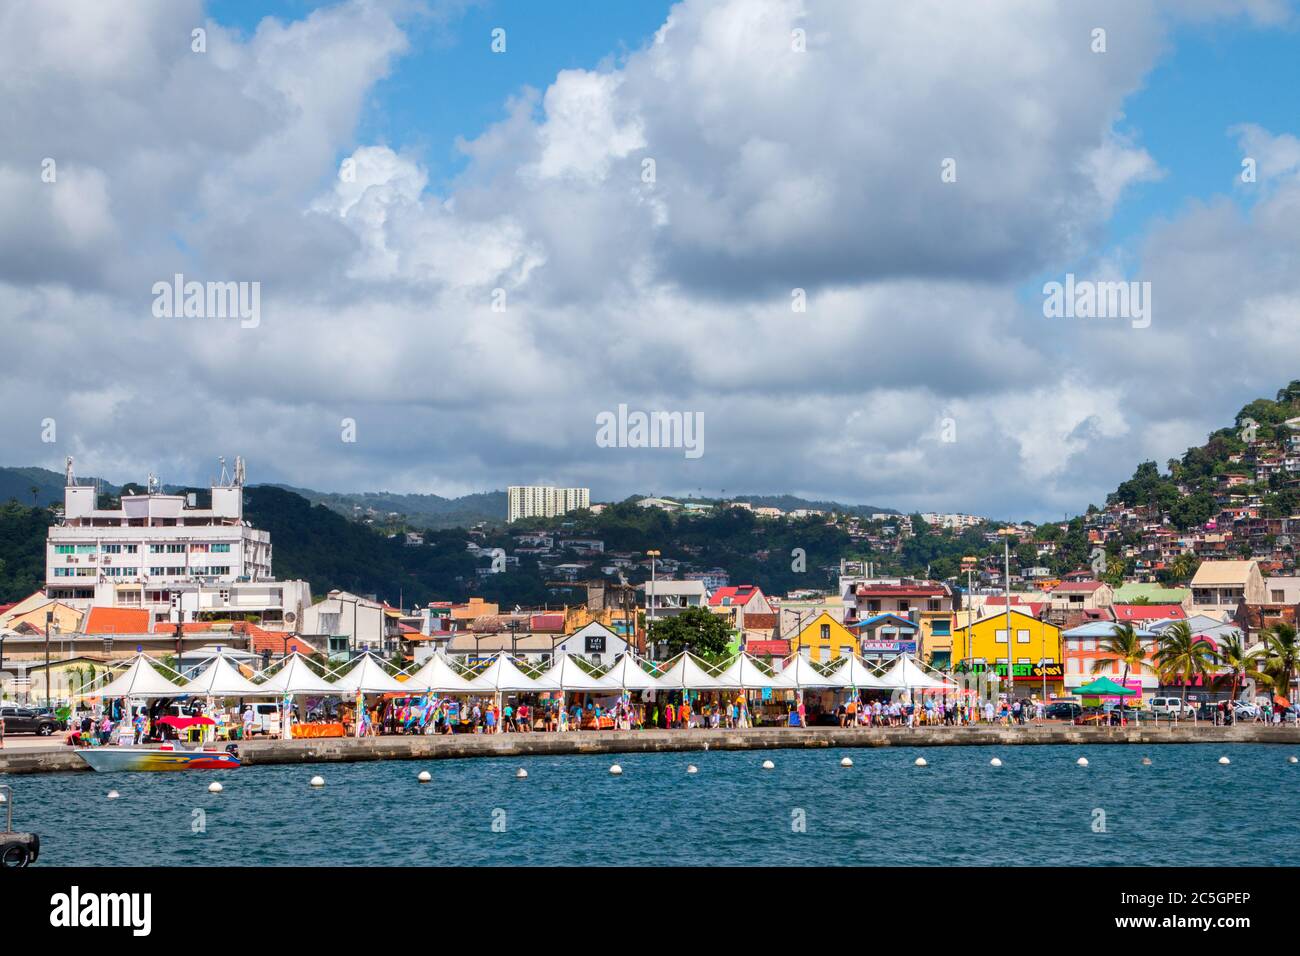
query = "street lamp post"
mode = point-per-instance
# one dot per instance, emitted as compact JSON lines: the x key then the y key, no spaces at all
{"x":49,"y":619}
{"x":650,"y":608}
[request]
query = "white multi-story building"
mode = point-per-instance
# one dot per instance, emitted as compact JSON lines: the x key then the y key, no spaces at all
{"x":545,"y":501}
{"x":954,"y":521}
{"x":153,"y":547}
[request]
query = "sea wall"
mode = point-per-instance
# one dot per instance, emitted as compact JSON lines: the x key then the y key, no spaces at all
{"x":264,"y":752}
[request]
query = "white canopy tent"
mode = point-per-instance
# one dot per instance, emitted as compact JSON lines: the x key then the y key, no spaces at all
{"x":747,"y":675}
{"x":140,"y":679}
{"x":437,"y":676}
{"x":503,"y":676}
{"x":688,"y":674}
{"x":628,"y":674}
{"x":567,"y":675}
{"x":802,"y":675}
{"x":906,"y":674}
{"x":854,"y":672}
{"x":369,"y":677}
{"x":222,"y":679}
{"x":296,"y":677}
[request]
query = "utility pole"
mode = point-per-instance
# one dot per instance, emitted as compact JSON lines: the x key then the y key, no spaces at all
{"x":1006,"y":589}
{"x":49,"y":619}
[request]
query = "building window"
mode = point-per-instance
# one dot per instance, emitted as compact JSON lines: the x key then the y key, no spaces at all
{"x":1022,"y":637}
{"x":1001,"y":637}
{"x":826,"y":632}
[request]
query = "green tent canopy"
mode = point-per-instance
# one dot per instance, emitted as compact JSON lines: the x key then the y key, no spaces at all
{"x":1104,"y":687}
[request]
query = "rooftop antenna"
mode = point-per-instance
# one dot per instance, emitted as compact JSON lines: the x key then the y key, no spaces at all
{"x":152,"y":483}
{"x":225,"y":478}
{"x":68,"y":476}
{"x":239,"y":470}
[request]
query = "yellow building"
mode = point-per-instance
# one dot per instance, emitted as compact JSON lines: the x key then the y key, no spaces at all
{"x":1035,"y":654}
{"x":26,"y":619}
{"x":936,"y":637}
{"x":824,"y":639}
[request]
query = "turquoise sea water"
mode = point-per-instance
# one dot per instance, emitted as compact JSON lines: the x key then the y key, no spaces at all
{"x":1184,"y":809}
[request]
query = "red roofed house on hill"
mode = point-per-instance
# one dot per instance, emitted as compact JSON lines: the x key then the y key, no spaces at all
{"x":737,"y":601}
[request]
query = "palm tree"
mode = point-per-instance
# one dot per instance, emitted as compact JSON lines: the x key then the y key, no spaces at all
{"x":1241,"y":663}
{"x":1125,"y":646}
{"x":1183,"y":656}
{"x":1282,"y":652}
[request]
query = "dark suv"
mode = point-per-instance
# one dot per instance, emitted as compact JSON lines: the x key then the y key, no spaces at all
{"x":1063,"y":710}
{"x":21,"y":720}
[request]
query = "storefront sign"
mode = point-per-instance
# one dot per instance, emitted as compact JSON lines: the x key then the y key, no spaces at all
{"x":595,"y":643}
{"x":1021,"y":672}
{"x":889,"y":647}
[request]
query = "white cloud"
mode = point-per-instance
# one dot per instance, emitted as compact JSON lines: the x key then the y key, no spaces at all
{"x":775,"y":169}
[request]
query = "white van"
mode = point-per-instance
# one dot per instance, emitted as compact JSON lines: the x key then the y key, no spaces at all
{"x":266,"y":718}
{"x":1171,"y":707}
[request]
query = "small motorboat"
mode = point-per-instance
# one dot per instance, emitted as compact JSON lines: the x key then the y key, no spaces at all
{"x":109,"y":758}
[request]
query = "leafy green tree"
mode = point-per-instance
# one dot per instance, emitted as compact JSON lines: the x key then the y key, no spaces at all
{"x":1183,"y":656}
{"x":696,"y":630}
{"x":1282,"y":657}
{"x":1122,"y":645}
{"x":1239,"y":663}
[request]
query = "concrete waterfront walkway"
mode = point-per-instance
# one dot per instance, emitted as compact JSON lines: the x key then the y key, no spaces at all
{"x":53,"y":758}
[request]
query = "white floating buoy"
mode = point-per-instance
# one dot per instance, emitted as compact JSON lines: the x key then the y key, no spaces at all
{"x":615,"y":769}
{"x":995,"y":762}
{"x":920,"y":762}
{"x":521,"y":773}
{"x":318,"y":781}
{"x":846,"y":762}
{"x":1146,"y":761}
{"x":691,"y":768}
{"x":1082,"y":761}
{"x":215,"y":787}
{"x":768,"y":765}
{"x":424,"y":776}
{"x":1224,"y":760}
{"x":1293,"y":759}
{"x":3,"y":799}
{"x":113,"y":794}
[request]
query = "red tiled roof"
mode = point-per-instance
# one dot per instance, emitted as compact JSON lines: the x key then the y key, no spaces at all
{"x":733,"y":595}
{"x":760,"y":622}
{"x":768,"y":648}
{"x":1148,"y":612}
{"x":117,"y":620}
{"x":546,"y":622}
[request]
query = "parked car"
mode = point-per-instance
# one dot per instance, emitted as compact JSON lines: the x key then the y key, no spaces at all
{"x":24,"y":720}
{"x":1172,"y":707}
{"x":1063,"y":710}
{"x":1243,"y":711}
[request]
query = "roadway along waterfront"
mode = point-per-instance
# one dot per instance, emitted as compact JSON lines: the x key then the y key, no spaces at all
{"x":29,"y":757}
